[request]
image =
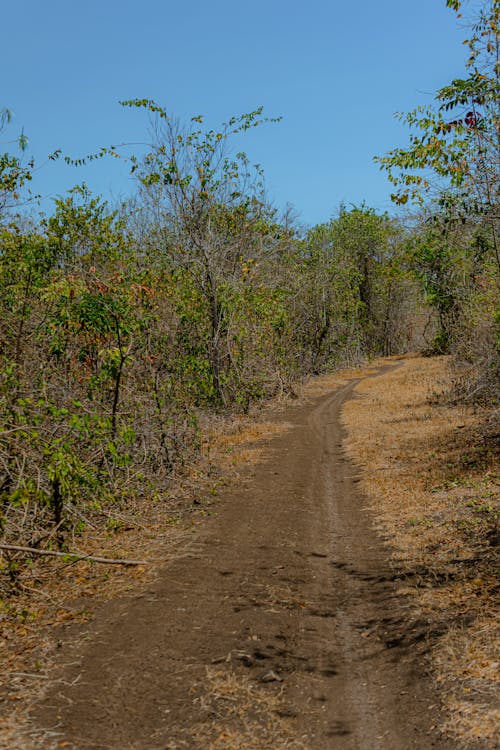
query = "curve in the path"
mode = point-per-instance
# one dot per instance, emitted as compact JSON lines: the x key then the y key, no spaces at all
{"x":288,"y":580}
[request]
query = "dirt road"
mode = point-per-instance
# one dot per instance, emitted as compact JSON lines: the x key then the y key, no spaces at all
{"x":283,"y":627}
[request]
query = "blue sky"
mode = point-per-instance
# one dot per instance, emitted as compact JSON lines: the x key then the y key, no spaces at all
{"x":335,"y":71}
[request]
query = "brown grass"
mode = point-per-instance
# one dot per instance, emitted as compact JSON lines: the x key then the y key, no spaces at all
{"x":240,"y":442}
{"x":237,"y":714}
{"x":431,"y":479}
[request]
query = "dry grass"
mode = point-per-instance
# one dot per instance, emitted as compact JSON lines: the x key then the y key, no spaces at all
{"x":237,"y":714}
{"x":240,"y":441}
{"x":431,"y":478}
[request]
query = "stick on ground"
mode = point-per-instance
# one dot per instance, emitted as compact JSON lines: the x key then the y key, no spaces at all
{"x":75,"y":555}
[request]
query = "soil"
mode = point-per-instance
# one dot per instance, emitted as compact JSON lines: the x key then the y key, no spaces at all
{"x":288,"y":590}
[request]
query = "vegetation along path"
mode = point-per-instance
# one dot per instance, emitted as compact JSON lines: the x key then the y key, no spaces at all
{"x":283,"y":627}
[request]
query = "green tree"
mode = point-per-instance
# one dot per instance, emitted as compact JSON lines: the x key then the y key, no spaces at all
{"x":15,"y":172}
{"x":209,"y":214}
{"x":451,"y":168}
{"x":457,"y":140}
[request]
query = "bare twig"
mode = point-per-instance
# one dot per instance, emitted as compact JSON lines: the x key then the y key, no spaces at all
{"x":74,"y":555}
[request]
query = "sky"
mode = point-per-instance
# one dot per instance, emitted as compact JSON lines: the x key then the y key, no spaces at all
{"x":336,"y":71}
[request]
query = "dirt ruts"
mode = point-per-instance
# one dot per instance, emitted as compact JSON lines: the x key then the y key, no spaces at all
{"x":286,"y":591}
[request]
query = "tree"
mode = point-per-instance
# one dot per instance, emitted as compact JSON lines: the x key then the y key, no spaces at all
{"x":453,"y":162}
{"x":458,"y":139}
{"x":209,"y":212}
{"x":14,"y":173}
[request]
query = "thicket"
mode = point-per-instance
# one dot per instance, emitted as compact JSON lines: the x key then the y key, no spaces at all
{"x":121,"y":329}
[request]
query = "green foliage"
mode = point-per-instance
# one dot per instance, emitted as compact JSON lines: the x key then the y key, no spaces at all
{"x":355,"y":280}
{"x":122,"y":330}
{"x":452,"y":169}
{"x":15,"y":173}
{"x":456,"y":140}
{"x":209,"y":203}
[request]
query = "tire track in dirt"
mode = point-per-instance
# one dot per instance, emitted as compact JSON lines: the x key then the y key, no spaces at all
{"x":286,"y":588}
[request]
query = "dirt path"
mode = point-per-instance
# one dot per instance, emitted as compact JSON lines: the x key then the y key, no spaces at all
{"x":283,"y":627}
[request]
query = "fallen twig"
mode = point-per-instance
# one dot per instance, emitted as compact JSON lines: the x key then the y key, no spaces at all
{"x":74,"y":555}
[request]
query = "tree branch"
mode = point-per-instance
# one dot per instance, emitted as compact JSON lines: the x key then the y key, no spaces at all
{"x":77,"y":556}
